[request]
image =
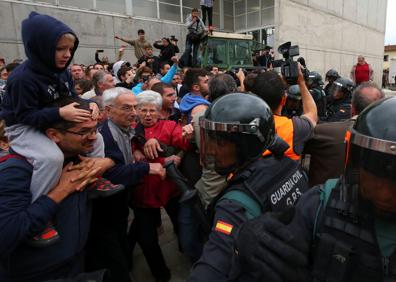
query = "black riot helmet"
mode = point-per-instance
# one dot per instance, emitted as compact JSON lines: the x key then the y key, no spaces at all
{"x":235,"y":130}
{"x":314,"y":79}
{"x":342,"y":88}
{"x":373,"y":139}
{"x":332,"y":75}
{"x":294,"y":92}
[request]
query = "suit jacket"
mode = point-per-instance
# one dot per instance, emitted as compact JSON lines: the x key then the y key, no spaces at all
{"x":112,"y":210}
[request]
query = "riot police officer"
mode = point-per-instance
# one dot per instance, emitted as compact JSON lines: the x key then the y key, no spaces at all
{"x":347,"y":227}
{"x":315,"y":86}
{"x":339,"y":106}
{"x":235,"y":130}
{"x":331,"y":76}
{"x":293,"y":105}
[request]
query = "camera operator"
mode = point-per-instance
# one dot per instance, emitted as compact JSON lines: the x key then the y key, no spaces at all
{"x":294,"y":131}
{"x":168,"y":49}
{"x":196,"y":29}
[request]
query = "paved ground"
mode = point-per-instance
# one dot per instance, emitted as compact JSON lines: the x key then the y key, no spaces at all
{"x":176,"y":261}
{"x":389,"y":92}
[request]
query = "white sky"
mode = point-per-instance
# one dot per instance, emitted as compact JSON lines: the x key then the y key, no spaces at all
{"x":390,"y":32}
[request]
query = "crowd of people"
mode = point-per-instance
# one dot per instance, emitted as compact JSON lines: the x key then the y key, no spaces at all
{"x":262,"y":181}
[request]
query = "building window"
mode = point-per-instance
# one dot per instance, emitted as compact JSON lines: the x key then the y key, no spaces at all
{"x":117,"y":6}
{"x":386,"y":58}
{"x":77,"y":3}
{"x":170,"y":12}
{"x":145,"y":8}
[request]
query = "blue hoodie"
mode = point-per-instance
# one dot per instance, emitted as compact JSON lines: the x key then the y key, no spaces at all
{"x":38,"y":82}
{"x":189,"y":102}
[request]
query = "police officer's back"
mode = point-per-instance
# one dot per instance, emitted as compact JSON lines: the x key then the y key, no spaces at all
{"x":346,"y":227}
{"x":293,"y":106}
{"x":235,"y":130}
{"x":315,"y":86}
{"x":327,"y":147}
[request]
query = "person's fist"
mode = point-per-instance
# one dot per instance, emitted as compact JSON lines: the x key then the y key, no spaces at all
{"x":157,"y":169}
{"x":175,"y":59}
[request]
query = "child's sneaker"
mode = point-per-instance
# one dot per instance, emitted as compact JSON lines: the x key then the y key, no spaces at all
{"x":48,"y":237}
{"x":103,"y":188}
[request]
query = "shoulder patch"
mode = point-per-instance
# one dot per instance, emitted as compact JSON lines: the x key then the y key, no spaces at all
{"x":223,"y":227}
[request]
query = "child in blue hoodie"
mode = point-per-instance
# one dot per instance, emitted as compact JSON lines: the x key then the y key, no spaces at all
{"x":41,"y":79}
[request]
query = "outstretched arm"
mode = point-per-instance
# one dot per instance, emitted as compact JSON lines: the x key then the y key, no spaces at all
{"x":126,"y":40}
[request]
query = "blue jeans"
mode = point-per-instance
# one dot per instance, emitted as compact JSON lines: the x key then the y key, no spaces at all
{"x":190,"y":47}
{"x":190,"y":238}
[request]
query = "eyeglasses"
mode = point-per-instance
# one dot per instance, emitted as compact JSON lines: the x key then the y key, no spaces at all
{"x":127,"y":109}
{"x":83,"y":134}
{"x":148,"y":111}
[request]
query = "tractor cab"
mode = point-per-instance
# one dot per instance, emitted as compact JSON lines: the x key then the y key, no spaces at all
{"x":228,"y":50}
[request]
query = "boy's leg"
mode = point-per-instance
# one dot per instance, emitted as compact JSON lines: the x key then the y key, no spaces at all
{"x":102,"y":187}
{"x":44,"y":155}
{"x":98,"y":150}
{"x":47,"y":161}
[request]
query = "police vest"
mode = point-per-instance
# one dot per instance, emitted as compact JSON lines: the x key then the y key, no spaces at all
{"x":345,"y":246}
{"x":339,"y":111}
{"x":271,"y":183}
{"x":285,"y":129}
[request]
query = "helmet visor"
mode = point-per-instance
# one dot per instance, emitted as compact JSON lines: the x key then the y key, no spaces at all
{"x":218,"y":150}
{"x":375,"y":155}
{"x":336,"y":90}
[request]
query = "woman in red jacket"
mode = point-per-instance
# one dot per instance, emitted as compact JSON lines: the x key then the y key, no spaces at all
{"x":154,"y":192}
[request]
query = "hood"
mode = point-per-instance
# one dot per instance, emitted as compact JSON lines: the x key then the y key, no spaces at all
{"x":116,"y":68}
{"x":40,"y":34}
{"x":190,"y":101}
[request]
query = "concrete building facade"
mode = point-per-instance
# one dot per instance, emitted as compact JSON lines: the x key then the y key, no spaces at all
{"x":330,"y":33}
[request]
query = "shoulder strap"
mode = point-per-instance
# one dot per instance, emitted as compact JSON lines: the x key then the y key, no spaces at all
{"x":252,"y":208}
{"x":325,"y":192}
{"x":11,"y":156}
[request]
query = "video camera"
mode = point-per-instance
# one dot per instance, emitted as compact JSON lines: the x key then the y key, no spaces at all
{"x":289,"y":68}
{"x":173,"y":38}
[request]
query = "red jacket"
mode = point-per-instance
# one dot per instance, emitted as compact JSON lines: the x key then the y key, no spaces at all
{"x":154,"y":192}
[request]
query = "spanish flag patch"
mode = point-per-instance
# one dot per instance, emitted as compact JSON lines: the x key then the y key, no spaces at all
{"x":223,"y":227}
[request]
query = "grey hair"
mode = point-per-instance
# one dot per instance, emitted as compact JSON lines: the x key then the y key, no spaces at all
{"x":220,"y":85}
{"x":361,"y":101}
{"x":111,"y":94}
{"x":98,"y":77}
{"x":149,"y":97}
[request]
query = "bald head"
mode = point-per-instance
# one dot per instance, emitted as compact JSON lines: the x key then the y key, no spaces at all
{"x":365,"y":94}
{"x":361,"y":60}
